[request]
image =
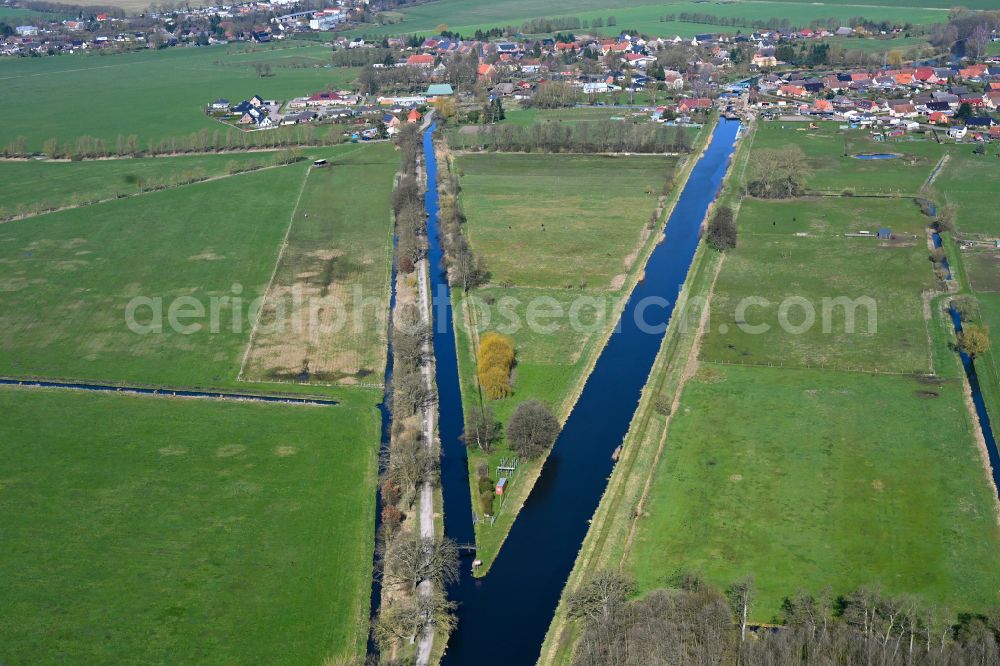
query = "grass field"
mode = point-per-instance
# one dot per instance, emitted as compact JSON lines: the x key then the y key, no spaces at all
{"x":466,"y":16}
{"x":970,"y":182}
{"x":829,"y":153}
{"x":337,"y":261}
{"x":15,"y":15}
{"x":152,"y":94}
{"x":557,"y":220}
{"x":69,"y":276}
{"x":151,"y":530}
{"x":812,"y":478}
{"x":70,"y":183}
{"x":771,"y":262}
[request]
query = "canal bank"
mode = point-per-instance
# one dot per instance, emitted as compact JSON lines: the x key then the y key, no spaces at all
{"x":517,"y":600}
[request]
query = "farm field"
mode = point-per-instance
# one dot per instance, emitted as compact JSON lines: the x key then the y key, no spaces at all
{"x":883,"y":281}
{"x":69,"y":276}
{"x":466,"y":16}
{"x":162,"y":530}
{"x":764,"y":475}
{"x":337,"y":261}
{"x":970,"y":183}
{"x":14,"y":15}
{"x":877,"y":44}
{"x":587,"y":230}
{"x":71,"y":183}
{"x":152,"y":94}
{"x":829,"y":153}
{"x":803,"y":477}
{"x":560,"y":234}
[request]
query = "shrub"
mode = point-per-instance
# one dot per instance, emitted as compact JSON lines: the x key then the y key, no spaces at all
{"x":486,"y":502}
{"x":722,"y":229}
{"x":494,"y":361}
{"x":532,"y":429}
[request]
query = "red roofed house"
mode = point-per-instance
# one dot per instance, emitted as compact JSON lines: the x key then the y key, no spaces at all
{"x":420,"y":60}
{"x":413,"y":116}
{"x":788,"y":90}
{"x":694,"y":104}
{"x":823,"y":106}
{"x":972,"y":72}
{"x":938,"y":118}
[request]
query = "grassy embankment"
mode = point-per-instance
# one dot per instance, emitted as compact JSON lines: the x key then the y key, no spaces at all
{"x":969,"y":183}
{"x":762,"y":465}
{"x":593,"y":245}
{"x":156,"y":94}
{"x":154,"y":530}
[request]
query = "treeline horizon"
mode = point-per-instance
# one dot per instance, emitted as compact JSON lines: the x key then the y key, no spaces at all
{"x":696,"y":622}
{"x":602,"y":136}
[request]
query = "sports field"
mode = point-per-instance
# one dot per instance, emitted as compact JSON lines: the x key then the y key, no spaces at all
{"x":466,"y":16}
{"x":152,"y":94}
{"x":324,"y":317}
{"x":862,"y":294}
{"x":805,"y":479}
{"x":153,"y":530}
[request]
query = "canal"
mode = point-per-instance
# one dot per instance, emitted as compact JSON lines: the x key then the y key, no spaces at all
{"x":504,"y":616}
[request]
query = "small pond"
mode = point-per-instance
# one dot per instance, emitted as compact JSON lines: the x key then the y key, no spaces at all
{"x":876,"y":156}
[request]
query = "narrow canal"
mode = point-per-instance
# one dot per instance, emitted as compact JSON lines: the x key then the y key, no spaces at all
{"x":504,"y":616}
{"x":978,"y":402}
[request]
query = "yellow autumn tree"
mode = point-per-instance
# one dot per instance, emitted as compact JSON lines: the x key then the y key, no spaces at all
{"x":494,"y":361}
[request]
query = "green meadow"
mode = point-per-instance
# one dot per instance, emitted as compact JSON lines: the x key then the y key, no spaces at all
{"x":792,"y":264}
{"x":970,"y":182}
{"x":562,"y":237}
{"x":559,"y":220}
{"x":152,"y":94}
{"x":69,"y":277}
{"x":156,"y":530}
{"x":830,"y":154}
{"x":338,"y":253}
{"x":807,"y":479}
{"x":466,"y":16}
{"x":73,"y":183}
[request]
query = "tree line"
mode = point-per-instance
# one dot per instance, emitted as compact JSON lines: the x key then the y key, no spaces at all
{"x":203,"y":141}
{"x":404,"y":558}
{"x":604,"y":136}
{"x":696,"y":623}
{"x":465,"y":270}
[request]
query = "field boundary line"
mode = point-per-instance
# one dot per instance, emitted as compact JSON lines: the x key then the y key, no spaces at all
{"x":938,"y":168}
{"x":274,"y":272}
{"x":210,"y":179}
